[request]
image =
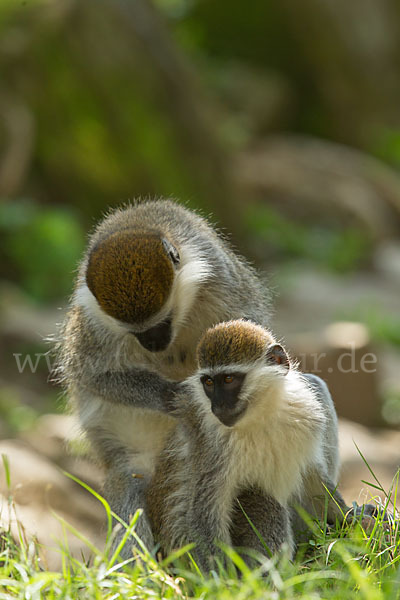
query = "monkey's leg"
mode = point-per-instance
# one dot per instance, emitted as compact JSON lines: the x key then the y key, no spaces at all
{"x":320,"y":498}
{"x":208,"y":522}
{"x":339,"y":510}
{"x":126,"y":494}
{"x":323,"y":496}
{"x":270,"y":519}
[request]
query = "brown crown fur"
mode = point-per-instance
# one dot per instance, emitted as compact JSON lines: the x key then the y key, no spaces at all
{"x":234,"y":342}
{"x":131,"y":275}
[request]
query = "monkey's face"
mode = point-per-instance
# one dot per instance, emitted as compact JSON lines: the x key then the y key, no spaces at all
{"x":131,"y":276}
{"x":240,"y":363}
{"x":223,"y":390}
{"x":232,"y":392}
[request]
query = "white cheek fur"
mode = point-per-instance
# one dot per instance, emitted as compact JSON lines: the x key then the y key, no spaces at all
{"x":193,"y":272}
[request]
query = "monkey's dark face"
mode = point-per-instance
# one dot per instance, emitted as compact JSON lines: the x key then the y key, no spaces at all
{"x":131,"y":276}
{"x":223,"y":390}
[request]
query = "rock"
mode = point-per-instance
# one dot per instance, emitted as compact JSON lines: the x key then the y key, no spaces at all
{"x":51,"y":435}
{"x":343,"y":356}
{"x":25,"y":357}
{"x":310,"y":303}
{"x":56,"y":437}
{"x":310,"y":300}
{"x":22,"y":319}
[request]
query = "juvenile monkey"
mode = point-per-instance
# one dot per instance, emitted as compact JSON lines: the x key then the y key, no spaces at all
{"x":154,"y":278}
{"x":248,"y":420}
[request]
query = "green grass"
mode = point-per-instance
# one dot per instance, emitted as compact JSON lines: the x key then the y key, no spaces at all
{"x":336,"y":563}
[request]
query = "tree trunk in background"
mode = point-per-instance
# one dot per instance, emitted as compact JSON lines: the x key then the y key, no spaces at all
{"x":318,"y":181}
{"x":18,"y":128}
{"x":352,"y":50}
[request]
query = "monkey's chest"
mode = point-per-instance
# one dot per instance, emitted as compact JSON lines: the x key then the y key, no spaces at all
{"x":177,"y":362}
{"x":266,"y":460}
{"x":142,"y":432}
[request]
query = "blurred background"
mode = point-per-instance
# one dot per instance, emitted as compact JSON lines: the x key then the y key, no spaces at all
{"x":279,"y":120}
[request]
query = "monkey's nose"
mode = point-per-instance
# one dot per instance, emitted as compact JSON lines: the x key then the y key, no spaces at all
{"x":226,"y":416}
{"x":157,"y":338}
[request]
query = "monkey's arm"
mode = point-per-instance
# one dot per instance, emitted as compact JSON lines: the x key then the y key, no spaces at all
{"x":134,"y":387}
{"x":91,"y":363}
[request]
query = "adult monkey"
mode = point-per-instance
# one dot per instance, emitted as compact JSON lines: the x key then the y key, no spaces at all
{"x":155,"y":276}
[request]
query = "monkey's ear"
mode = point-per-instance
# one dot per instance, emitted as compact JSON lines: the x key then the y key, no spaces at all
{"x":277,"y":355}
{"x":171,"y":251}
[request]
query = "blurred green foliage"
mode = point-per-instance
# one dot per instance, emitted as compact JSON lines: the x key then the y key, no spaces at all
{"x":207,"y":28}
{"x":340,"y":250}
{"x":387,"y":146}
{"x":101,"y":134}
{"x":41,"y":247}
{"x":15,"y":414}
{"x":115,"y":141}
{"x":106,"y":127}
{"x":391,"y":407}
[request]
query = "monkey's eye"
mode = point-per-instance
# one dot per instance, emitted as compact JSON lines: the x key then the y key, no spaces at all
{"x":208,"y":382}
{"x":228,"y":379}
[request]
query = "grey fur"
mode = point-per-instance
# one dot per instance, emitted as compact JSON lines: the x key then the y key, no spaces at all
{"x":188,"y":498}
{"x":321,"y":488}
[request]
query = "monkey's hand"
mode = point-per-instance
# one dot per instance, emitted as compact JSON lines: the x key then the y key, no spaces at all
{"x":137,"y":388}
{"x":177,"y":404}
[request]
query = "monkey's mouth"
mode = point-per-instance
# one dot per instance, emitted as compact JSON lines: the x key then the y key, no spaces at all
{"x":228,"y":418}
{"x":156,"y":338}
